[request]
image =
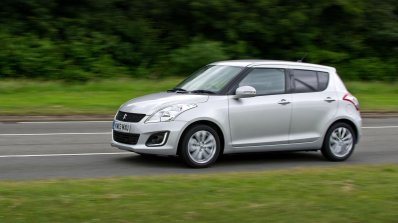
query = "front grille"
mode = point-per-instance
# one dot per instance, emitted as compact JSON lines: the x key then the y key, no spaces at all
{"x":129,"y":117}
{"x":126,"y":138}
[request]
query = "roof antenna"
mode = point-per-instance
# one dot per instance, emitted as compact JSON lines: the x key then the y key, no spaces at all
{"x":301,"y":60}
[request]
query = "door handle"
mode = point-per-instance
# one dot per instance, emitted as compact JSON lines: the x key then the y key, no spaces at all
{"x":329,"y":99}
{"x":283,"y":102}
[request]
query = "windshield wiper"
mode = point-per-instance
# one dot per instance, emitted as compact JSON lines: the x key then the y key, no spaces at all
{"x":203,"y":91}
{"x":176,"y":89}
{"x":181,"y":90}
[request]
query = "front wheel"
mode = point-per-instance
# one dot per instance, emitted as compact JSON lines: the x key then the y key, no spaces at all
{"x":200,"y":146}
{"x":339,"y":142}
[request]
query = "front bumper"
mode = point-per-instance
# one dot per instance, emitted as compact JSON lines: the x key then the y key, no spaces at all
{"x":145,"y":130}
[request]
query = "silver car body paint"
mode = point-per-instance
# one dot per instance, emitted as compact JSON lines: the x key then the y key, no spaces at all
{"x":260,"y":123}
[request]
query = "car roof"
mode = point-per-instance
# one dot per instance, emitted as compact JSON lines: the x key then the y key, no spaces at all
{"x":255,"y":62}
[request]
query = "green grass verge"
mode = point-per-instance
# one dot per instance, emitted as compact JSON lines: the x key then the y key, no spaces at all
{"x":375,"y":96}
{"x":25,"y":97}
{"x":334,"y":194}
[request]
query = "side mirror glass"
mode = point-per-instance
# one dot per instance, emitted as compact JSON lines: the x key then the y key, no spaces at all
{"x":245,"y":92}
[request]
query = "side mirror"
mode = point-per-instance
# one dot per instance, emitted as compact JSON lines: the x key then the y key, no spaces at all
{"x":245,"y":92}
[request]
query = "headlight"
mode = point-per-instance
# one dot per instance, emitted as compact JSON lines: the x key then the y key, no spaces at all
{"x":169,"y":113}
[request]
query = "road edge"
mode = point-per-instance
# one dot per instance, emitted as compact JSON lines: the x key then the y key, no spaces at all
{"x":41,"y":118}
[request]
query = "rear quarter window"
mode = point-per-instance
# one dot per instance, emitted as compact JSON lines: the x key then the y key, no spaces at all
{"x":323,"y":80}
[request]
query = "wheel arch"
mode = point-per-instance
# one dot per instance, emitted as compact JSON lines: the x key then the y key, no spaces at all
{"x":348,"y":122}
{"x":203,"y":122}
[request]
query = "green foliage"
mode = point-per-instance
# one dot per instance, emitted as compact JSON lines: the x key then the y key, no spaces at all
{"x":83,"y":40}
{"x":372,"y":68}
{"x":196,"y":54}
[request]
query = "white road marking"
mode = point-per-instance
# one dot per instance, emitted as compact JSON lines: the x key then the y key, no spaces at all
{"x":100,"y":133}
{"x":64,"y":154}
{"x":57,"y":122}
{"x":59,"y":133}
{"x":380,"y":127}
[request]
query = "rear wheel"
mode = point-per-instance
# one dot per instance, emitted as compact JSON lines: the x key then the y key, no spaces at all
{"x":200,"y":146}
{"x":339,"y":142}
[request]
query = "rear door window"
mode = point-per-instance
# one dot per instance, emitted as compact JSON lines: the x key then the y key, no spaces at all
{"x":309,"y":81}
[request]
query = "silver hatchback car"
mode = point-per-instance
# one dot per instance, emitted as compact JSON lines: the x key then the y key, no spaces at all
{"x":243,"y":106}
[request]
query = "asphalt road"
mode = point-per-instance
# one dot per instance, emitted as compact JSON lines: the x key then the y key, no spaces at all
{"x":42,"y":150}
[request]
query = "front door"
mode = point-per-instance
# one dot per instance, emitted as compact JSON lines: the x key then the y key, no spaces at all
{"x":265,"y":118}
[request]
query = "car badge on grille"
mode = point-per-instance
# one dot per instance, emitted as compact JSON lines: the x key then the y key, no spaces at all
{"x":124,"y":116}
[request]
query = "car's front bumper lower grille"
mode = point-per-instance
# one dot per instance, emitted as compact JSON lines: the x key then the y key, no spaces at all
{"x":126,"y":138}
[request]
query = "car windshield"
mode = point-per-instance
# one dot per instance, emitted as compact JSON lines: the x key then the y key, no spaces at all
{"x":209,"y":79}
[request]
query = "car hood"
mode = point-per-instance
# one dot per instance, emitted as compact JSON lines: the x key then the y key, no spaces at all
{"x":151,"y":103}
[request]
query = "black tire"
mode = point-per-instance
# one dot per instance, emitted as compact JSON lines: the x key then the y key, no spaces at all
{"x":184,"y":146}
{"x":327,"y":150}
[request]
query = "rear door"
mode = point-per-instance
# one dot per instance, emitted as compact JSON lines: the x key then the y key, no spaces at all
{"x":313,"y":102}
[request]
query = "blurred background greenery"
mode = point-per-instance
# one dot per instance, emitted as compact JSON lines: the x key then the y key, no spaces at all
{"x":81,"y":40}
{"x":89,"y":56}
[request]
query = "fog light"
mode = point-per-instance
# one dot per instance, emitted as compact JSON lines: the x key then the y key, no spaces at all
{"x":157,"y":139}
